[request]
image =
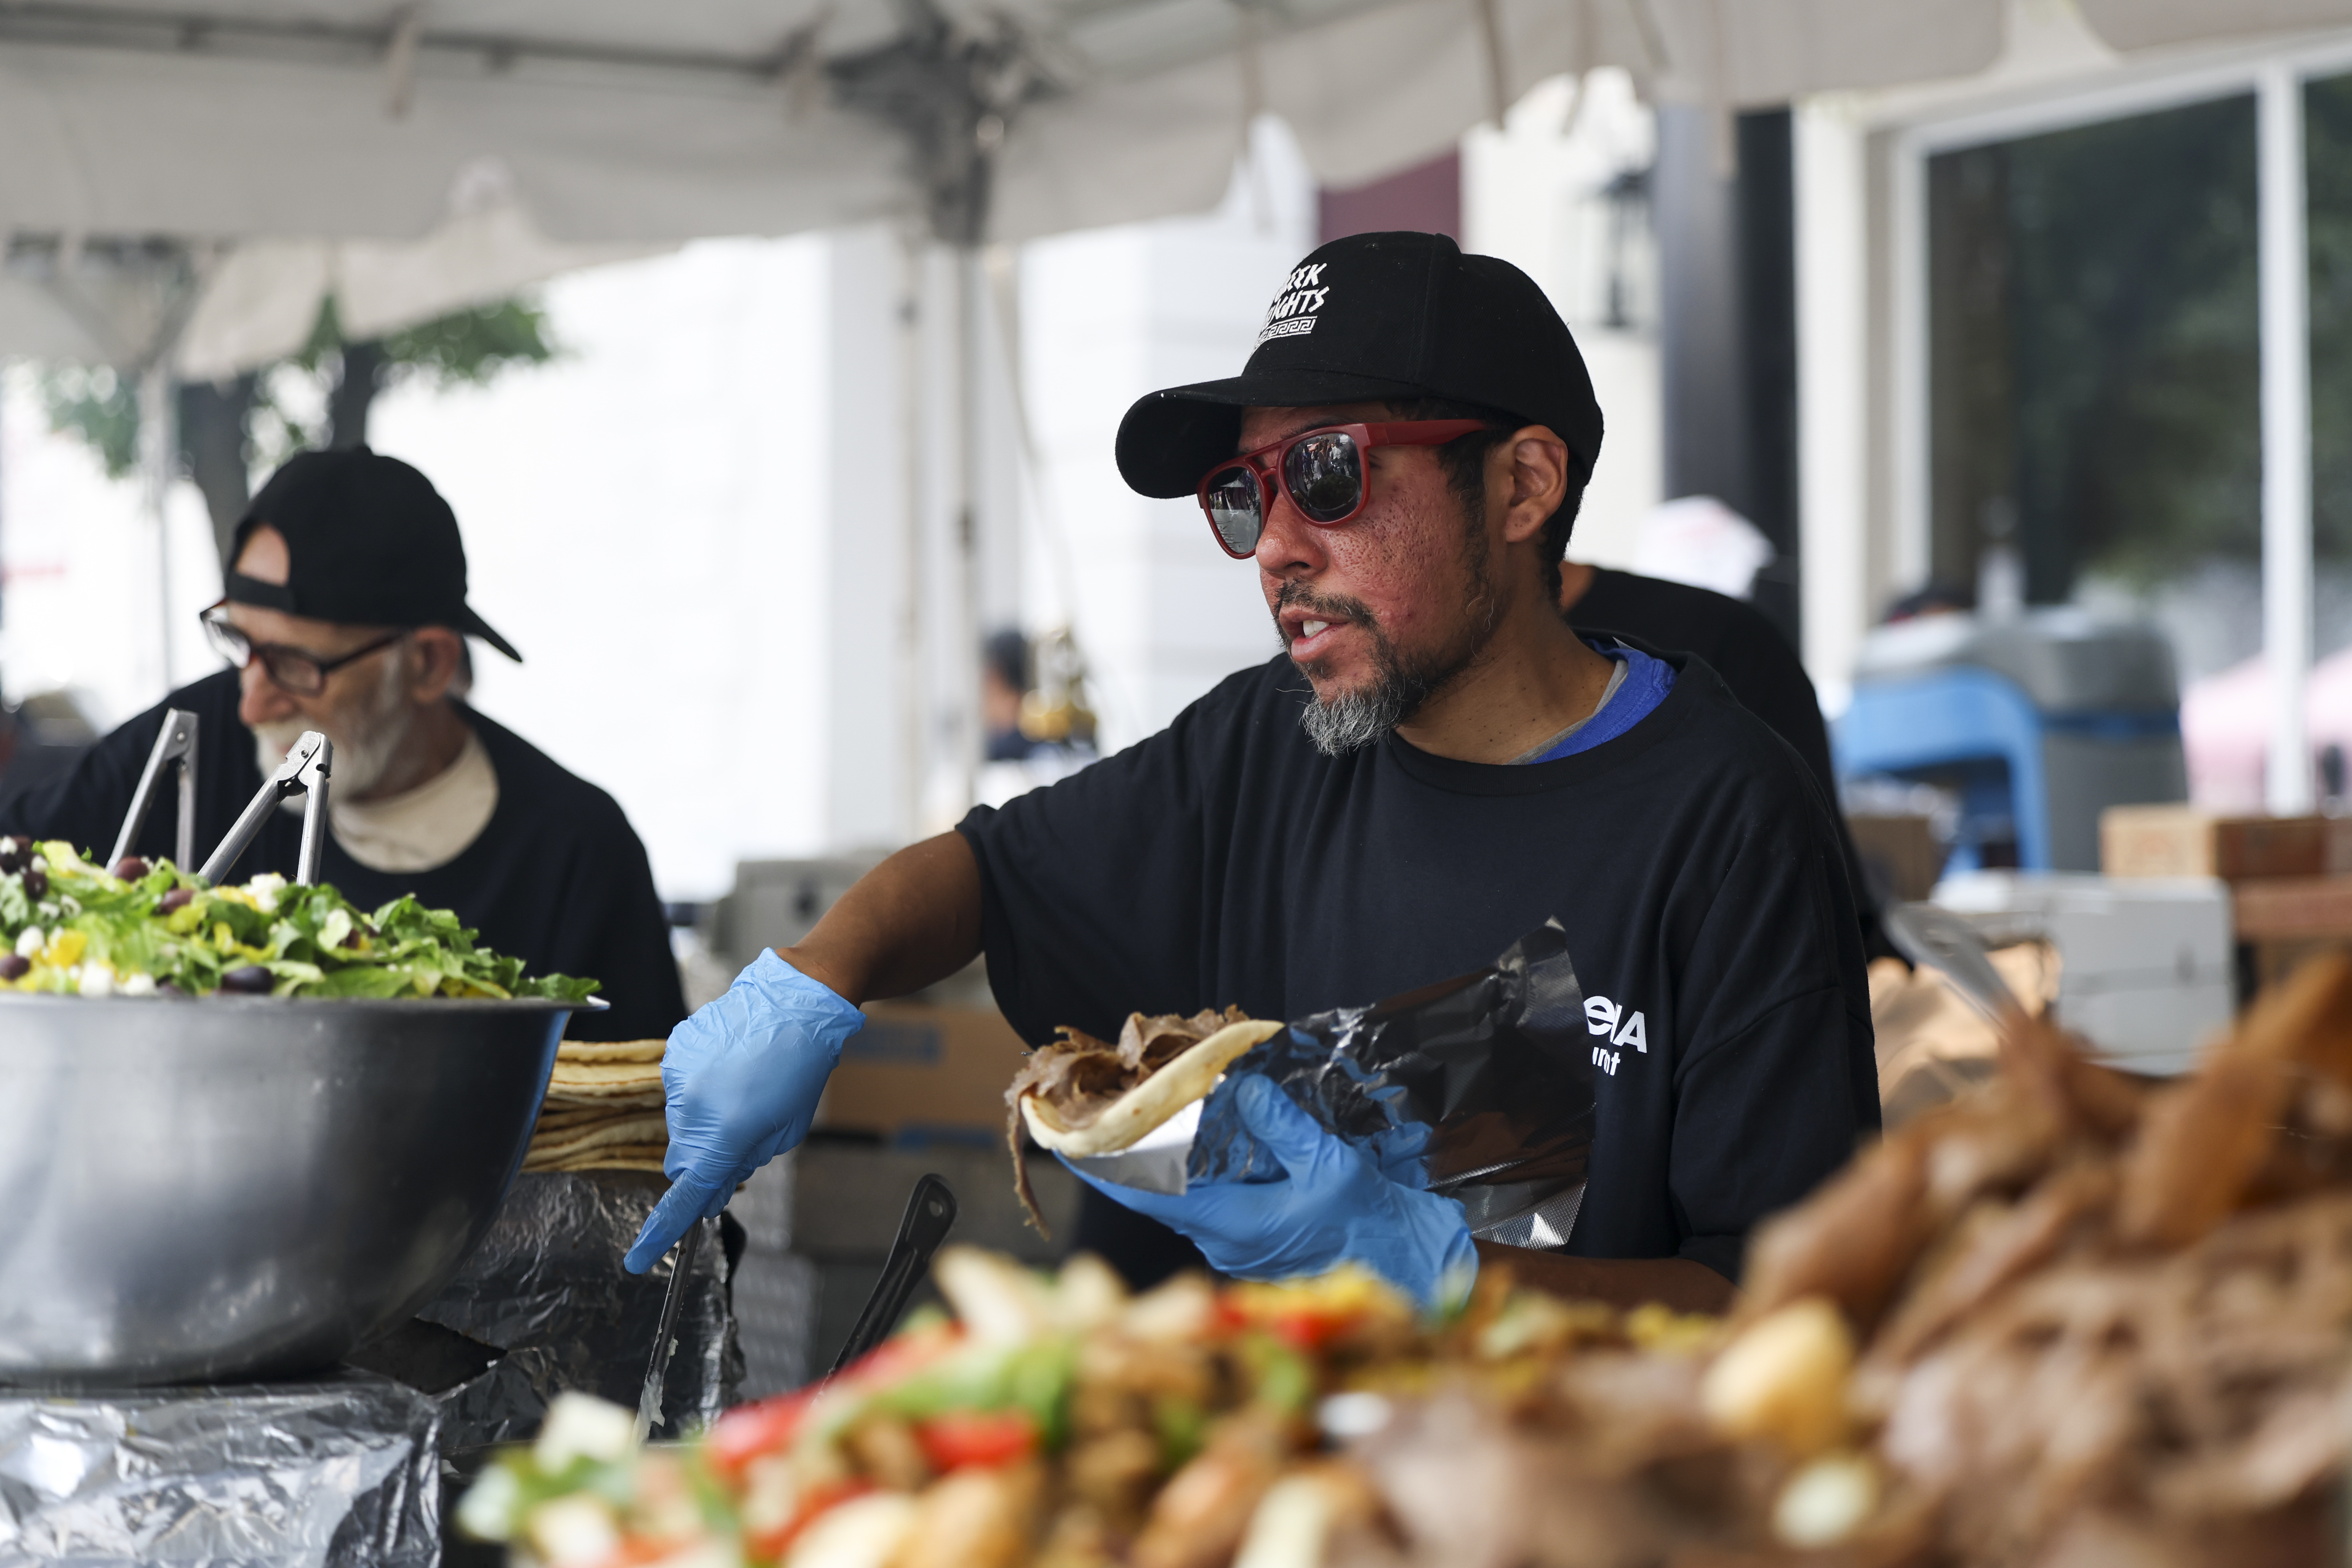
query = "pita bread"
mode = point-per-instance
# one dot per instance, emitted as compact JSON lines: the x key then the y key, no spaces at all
{"x":605,"y":1104}
{"x":610,"y":1050}
{"x":598,"y":1134}
{"x":612,"y":1157}
{"x":586,"y":1075}
{"x":1190,"y":1077}
{"x":602,"y":1083}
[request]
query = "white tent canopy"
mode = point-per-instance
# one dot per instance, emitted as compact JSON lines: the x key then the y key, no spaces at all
{"x":618,"y":121}
{"x":609,"y":124}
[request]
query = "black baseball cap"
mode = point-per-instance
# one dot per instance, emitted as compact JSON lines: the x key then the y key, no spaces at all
{"x":1377,"y":318}
{"x":369,"y":540}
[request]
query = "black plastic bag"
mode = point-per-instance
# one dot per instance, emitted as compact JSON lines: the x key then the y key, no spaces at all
{"x":1479,"y":1088}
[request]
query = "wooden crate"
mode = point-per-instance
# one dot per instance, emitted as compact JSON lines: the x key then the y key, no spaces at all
{"x":2181,"y":841}
{"x":2285,"y":920}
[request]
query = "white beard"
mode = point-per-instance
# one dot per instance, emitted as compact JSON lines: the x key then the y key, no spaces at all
{"x":367,"y":734}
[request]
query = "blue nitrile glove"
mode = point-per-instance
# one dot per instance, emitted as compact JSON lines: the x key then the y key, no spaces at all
{"x":1333,"y":1206}
{"x":743,"y":1076}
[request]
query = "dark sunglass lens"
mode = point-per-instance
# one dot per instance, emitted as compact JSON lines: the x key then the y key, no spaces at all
{"x":1325,"y":476}
{"x":1234,"y":509}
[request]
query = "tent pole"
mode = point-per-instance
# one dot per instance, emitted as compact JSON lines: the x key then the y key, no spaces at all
{"x":157,"y":440}
{"x":2286,"y":278}
{"x":970,"y":302}
{"x":918,"y":689}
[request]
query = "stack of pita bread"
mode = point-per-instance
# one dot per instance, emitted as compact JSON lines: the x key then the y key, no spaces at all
{"x":602,"y":1110}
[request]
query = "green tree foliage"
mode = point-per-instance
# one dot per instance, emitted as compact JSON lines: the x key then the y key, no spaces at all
{"x":2135,"y":337}
{"x":268,"y":413}
{"x":2096,"y":347}
{"x":468,"y":348}
{"x":99,"y":406}
{"x":2096,"y":343}
{"x":2328,"y":142}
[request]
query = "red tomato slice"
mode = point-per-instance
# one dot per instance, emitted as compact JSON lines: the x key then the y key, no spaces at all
{"x":962,"y":1437}
{"x":748,"y":1431}
{"x":1309,"y":1329}
{"x":901,"y":1355}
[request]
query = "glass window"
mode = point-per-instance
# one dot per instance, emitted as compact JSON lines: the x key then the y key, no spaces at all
{"x":2094,"y":370}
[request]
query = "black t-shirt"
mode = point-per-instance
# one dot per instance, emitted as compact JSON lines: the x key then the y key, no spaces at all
{"x":1753,"y":659}
{"x":557,"y":879}
{"x":1692,"y":861}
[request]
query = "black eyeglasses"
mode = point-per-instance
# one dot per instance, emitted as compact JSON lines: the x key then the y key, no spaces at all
{"x":304,"y":674}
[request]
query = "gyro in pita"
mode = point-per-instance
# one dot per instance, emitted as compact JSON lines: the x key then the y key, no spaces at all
{"x":1079,"y":1096}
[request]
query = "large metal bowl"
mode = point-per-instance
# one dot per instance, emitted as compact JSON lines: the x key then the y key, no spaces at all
{"x":245,"y":1187}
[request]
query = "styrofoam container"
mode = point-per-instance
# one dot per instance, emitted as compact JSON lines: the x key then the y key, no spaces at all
{"x":2147,"y":972}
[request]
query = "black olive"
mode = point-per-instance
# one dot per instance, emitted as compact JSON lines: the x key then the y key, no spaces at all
{"x":16,"y":854}
{"x":177,"y":898}
{"x":130,"y":868}
{"x":13,"y":965}
{"x":36,"y":882}
{"x":252,"y":979}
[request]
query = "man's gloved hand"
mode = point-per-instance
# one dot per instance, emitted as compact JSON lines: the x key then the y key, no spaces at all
{"x":741,"y":1076}
{"x":1334,"y":1205}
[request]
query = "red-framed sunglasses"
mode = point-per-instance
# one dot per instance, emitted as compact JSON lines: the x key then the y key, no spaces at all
{"x":1321,"y":471}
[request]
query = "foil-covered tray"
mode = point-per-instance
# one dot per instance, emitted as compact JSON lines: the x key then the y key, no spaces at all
{"x":341,"y":1471}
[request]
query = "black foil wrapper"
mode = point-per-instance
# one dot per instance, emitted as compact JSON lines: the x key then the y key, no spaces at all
{"x":1479,"y":1088}
{"x":546,"y":1287}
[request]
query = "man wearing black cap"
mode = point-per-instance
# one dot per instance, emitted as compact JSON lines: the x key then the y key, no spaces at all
{"x":346,"y":612}
{"x":1436,"y":766}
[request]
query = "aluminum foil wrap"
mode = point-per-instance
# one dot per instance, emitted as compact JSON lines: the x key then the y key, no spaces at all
{"x":546,"y":1286}
{"x":339,"y":1471}
{"x":1479,"y":1088}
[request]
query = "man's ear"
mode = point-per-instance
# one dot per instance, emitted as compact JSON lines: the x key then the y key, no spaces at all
{"x":1539,"y":481}
{"x":439,"y":654}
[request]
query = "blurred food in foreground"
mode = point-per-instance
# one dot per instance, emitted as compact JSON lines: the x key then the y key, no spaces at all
{"x":1054,"y":1420}
{"x":2094,"y":1316}
{"x":2067,"y":1317}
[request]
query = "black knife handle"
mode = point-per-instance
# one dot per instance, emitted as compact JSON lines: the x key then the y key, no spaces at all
{"x":930,"y":1210}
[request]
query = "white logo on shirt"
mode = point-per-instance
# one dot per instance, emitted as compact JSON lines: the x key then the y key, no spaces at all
{"x":1603,"y":1016}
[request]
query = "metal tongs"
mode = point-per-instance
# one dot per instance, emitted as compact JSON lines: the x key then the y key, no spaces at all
{"x":681,"y":1268}
{"x":930,"y":1211}
{"x":176,"y":744}
{"x":307,"y":767}
{"x":1940,"y":940}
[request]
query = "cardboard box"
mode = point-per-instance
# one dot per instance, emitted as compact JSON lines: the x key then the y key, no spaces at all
{"x":2147,"y":970}
{"x":918,"y":1072}
{"x":2181,"y":841}
{"x":1899,"y":854}
{"x":2287,"y":920}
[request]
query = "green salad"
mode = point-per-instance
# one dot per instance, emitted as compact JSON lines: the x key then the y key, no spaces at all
{"x":72,"y":928}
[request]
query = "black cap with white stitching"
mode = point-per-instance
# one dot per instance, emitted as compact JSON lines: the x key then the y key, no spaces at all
{"x":1380,"y":318}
